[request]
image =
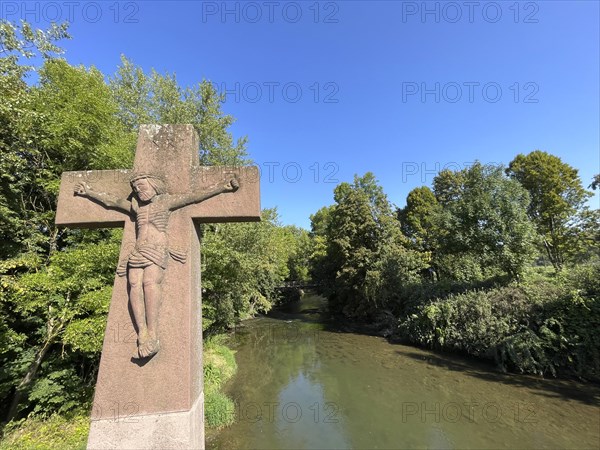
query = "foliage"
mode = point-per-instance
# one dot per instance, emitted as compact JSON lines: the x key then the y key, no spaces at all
{"x":417,"y":218}
{"x":447,"y":186}
{"x":475,"y":321}
{"x":557,"y":195}
{"x":418,"y":222}
{"x":62,"y":306}
{"x":319,"y":222}
{"x":22,"y":41}
{"x":584,"y":237}
{"x":545,"y":326}
{"x":243,"y":265}
{"x":157,"y":98}
{"x":485,"y":222}
{"x":299,"y":254}
{"x":64,"y":432}
{"x":219,"y":366}
{"x":366,"y":255}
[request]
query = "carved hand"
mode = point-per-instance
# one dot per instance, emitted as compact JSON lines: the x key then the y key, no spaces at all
{"x":81,"y":189}
{"x":232,"y":185}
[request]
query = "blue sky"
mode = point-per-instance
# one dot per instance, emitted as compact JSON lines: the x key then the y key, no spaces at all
{"x":326,"y":90}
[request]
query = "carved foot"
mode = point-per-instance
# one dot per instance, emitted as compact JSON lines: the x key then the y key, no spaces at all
{"x":149,"y":348}
{"x":142,"y":343}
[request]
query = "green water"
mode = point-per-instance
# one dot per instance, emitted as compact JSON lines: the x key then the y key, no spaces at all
{"x":302,"y":385}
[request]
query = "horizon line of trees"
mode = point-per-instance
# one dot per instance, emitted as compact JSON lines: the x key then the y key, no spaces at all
{"x":463,"y":266}
{"x":476,"y":223}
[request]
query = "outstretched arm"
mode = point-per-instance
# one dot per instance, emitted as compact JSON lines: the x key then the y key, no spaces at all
{"x":179,"y":201}
{"x":107,"y":200}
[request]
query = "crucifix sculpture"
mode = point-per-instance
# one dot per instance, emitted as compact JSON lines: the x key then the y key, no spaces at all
{"x":150,"y":205}
{"x":155,"y":398}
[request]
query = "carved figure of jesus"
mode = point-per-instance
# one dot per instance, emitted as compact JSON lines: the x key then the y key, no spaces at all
{"x":150,"y":205}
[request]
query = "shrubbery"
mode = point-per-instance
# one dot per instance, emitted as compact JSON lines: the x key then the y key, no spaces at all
{"x":546,"y":325}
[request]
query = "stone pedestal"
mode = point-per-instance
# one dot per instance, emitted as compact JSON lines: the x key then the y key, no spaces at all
{"x":177,"y":430}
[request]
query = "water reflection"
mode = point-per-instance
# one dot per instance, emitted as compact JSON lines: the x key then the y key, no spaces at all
{"x":300,"y":386}
{"x":312,"y":422}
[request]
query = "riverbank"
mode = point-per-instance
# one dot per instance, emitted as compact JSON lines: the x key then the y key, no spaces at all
{"x":547,"y":324}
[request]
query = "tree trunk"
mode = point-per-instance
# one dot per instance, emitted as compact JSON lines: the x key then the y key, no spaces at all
{"x":552,"y":255}
{"x":554,"y":250}
{"x":51,"y":335}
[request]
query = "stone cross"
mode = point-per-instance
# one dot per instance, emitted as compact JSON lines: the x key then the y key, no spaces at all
{"x":149,"y":392}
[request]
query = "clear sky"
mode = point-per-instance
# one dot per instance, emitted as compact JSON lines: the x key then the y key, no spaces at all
{"x":326,"y":90}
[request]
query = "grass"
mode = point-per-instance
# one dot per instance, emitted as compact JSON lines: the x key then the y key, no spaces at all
{"x":55,"y":432}
{"x":71,"y":431}
{"x":219,"y":366}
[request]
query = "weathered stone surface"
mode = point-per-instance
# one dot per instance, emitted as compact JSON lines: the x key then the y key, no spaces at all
{"x":74,"y":211}
{"x":151,"y":402}
{"x":180,"y":430}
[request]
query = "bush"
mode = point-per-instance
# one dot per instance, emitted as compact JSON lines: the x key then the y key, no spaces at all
{"x":545,"y":326}
{"x":475,"y":322}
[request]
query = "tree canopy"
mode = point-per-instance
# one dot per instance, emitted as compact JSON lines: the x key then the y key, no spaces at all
{"x":557,"y":195}
{"x":365,"y":251}
{"x":487,"y":221}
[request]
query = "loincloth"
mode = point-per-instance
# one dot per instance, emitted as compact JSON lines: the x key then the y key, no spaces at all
{"x":146,"y":255}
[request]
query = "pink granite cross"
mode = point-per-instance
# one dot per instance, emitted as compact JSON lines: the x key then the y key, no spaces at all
{"x":155,"y":398}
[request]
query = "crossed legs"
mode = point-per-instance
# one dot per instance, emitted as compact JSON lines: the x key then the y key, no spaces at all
{"x":145,"y":292}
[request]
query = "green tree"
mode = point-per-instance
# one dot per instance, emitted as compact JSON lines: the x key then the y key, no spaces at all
{"x":20,"y":157}
{"x":584,"y":236}
{"x":243,"y":265}
{"x":596,"y":182}
{"x":487,"y":221}
{"x":61,"y":305}
{"x":364,"y":248}
{"x":557,"y":195}
{"x":319,"y":221}
{"x":318,"y":262}
{"x":299,"y":253}
{"x":418,"y":221}
{"x":447,"y":185}
{"x":157,"y":98}
{"x":22,"y":41}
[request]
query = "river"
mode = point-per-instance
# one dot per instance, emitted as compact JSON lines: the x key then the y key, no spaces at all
{"x":301,"y":384}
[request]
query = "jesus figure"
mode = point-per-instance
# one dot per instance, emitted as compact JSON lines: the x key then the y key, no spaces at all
{"x":151,"y":207}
